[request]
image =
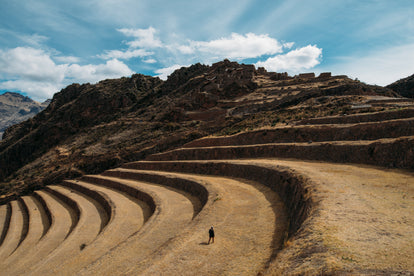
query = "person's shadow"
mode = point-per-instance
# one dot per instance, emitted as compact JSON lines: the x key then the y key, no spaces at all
{"x":203,"y":243}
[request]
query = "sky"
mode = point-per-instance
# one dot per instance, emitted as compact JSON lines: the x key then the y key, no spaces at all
{"x":46,"y":45}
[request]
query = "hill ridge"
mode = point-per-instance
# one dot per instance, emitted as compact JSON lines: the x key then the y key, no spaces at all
{"x":90,"y":128}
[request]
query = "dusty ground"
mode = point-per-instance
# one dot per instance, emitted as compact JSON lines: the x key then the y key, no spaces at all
{"x":362,"y":223}
{"x":249,"y":220}
{"x":365,"y":219}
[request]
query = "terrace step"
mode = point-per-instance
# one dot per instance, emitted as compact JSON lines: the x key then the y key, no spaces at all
{"x":5,"y":215}
{"x":359,"y":118}
{"x":175,"y":209}
{"x":14,"y":233}
{"x":314,"y":133}
{"x":85,"y":232}
{"x":59,"y":229}
{"x":373,"y":203}
{"x":232,"y":206}
{"x":391,"y":152}
{"x":34,"y":234}
{"x":128,"y":216}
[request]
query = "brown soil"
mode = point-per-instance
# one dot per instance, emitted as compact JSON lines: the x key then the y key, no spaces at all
{"x":364,"y":221}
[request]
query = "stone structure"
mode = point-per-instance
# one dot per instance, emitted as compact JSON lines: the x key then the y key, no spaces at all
{"x":307,"y":75}
{"x":325,"y":75}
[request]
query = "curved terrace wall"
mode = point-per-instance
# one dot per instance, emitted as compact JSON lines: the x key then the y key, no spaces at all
{"x":392,"y":153}
{"x":291,"y":187}
{"x":316,"y":133}
{"x":359,"y":118}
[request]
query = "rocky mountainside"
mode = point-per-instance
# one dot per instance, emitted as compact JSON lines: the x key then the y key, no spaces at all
{"x":16,"y":108}
{"x":90,"y":128}
{"x":405,"y":87}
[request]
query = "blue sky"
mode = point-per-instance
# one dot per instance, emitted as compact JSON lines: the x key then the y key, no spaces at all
{"x":47,"y":44}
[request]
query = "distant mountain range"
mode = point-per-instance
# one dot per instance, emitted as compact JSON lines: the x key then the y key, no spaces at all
{"x":16,"y":108}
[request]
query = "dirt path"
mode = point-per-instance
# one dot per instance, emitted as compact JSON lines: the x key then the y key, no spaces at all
{"x":248,"y":230}
{"x":175,"y":210}
{"x":366,"y":215}
{"x":363,"y":222}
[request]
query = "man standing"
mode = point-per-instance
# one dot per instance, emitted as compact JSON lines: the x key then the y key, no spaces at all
{"x":211,"y":235}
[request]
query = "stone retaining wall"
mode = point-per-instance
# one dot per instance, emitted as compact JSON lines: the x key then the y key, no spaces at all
{"x":365,"y":131}
{"x":392,"y":153}
{"x":359,"y":118}
{"x":292,"y":188}
{"x":101,"y":198}
{"x":191,"y":187}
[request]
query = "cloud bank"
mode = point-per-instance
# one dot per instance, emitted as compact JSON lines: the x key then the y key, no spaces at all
{"x":269,"y":52}
{"x":295,"y":60}
{"x":42,"y":72}
{"x":235,"y":47}
{"x":39,"y":74}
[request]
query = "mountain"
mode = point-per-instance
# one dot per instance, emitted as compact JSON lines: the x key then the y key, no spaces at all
{"x":90,"y":128}
{"x":404,"y":87}
{"x":15,"y":108}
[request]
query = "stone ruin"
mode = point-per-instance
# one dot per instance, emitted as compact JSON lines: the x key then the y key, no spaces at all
{"x":324,"y":75}
{"x":284,"y":76}
{"x":273,"y":75}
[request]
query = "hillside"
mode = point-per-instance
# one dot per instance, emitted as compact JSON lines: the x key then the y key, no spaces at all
{"x":404,"y":87}
{"x":90,"y":128}
{"x":15,"y":108}
{"x":298,"y":175}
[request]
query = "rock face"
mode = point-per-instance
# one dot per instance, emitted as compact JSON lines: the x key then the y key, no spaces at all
{"x":404,"y":87}
{"x":91,"y":128}
{"x":16,"y":108}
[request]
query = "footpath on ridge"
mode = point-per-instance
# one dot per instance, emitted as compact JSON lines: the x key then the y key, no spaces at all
{"x":324,"y":196}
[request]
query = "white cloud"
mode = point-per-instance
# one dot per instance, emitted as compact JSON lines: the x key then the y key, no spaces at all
{"x":163,"y":73}
{"x":126,"y":54}
{"x":235,"y":47}
{"x":33,"y":71}
{"x":185,"y":49}
{"x":38,"y":91}
{"x":34,"y":39}
{"x":92,"y":73}
{"x":145,"y":38}
{"x":288,"y":45}
{"x":67,"y":59}
{"x":30,"y":64}
{"x":293,"y":61}
{"x":150,"y":61}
